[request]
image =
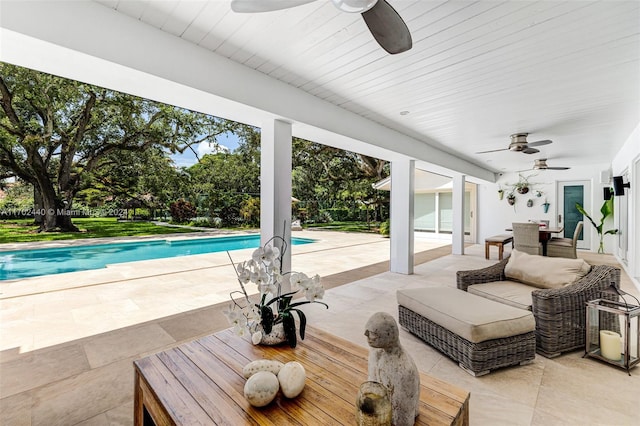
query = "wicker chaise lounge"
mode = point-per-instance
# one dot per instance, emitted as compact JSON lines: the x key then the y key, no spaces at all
{"x":560,"y":313}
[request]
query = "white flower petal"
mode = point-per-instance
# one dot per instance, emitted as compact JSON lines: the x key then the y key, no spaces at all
{"x":258,"y":255}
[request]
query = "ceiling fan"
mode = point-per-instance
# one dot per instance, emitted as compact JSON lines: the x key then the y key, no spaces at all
{"x":519,"y":144}
{"x":386,"y":26}
{"x":541,"y":164}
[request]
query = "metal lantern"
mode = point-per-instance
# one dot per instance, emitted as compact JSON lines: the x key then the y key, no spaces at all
{"x":613,"y":332}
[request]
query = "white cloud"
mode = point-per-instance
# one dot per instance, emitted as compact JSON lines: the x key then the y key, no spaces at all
{"x":206,"y":148}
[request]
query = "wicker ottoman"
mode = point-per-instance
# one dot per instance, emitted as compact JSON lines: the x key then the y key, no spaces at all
{"x":478,"y":333}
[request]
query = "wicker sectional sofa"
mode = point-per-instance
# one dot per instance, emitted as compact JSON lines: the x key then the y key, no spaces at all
{"x":559,"y":311}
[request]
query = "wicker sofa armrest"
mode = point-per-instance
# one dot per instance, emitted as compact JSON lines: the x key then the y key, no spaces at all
{"x":560,"y":313}
{"x":587,"y":288}
{"x":480,"y":276}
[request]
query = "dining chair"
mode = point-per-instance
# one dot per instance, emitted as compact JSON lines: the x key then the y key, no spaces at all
{"x":526,"y":238}
{"x":565,"y":247}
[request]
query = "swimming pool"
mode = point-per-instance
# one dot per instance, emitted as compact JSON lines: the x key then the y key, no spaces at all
{"x":32,"y":263}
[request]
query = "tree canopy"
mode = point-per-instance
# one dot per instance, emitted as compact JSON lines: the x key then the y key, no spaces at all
{"x":55,"y":132}
{"x":77,"y":143}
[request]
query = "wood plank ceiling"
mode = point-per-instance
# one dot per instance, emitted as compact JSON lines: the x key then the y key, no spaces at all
{"x":478,"y":71}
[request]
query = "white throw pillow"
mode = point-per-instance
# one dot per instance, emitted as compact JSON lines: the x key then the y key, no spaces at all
{"x":545,"y":272}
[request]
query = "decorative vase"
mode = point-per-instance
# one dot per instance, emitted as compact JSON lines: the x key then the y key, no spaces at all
{"x":500,"y":195}
{"x":511,"y":199}
{"x":545,"y":207}
{"x":373,"y":406}
{"x":523,"y":190}
{"x":276,"y":336}
{"x":529,"y":202}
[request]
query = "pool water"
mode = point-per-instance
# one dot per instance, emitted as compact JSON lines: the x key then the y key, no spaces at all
{"x":31,"y":263}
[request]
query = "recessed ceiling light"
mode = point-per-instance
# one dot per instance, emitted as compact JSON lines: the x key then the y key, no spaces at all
{"x":404,"y":112}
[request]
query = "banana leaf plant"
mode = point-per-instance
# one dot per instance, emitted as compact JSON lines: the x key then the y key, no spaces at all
{"x":606,"y":210}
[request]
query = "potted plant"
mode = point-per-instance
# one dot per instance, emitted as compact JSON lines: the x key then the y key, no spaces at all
{"x":606,"y":210}
{"x":522,"y":186}
{"x":545,"y":206}
{"x":271,"y":320}
{"x":500,"y":193}
{"x":511,"y":199}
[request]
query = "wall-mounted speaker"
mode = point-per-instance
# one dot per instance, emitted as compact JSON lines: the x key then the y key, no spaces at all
{"x":619,"y":186}
{"x":607,"y":193}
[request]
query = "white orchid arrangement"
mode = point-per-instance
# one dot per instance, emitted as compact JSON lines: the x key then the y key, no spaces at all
{"x":264,"y":269}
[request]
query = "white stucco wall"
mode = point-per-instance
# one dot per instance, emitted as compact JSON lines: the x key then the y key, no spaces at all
{"x":627,"y":162}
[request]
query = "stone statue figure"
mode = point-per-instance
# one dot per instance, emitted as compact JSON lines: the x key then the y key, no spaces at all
{"x":392,"y":366}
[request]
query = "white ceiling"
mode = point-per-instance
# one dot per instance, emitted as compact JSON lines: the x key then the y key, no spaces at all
{"x":568,"y":71}
{"x":478,"y":71}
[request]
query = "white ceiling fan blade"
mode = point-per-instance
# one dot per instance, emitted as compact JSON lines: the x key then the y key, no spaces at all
{"x":257,"y":6}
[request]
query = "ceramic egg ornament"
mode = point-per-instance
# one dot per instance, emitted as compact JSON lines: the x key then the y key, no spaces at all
{"x":261,"y":388}
{"x":292,"y":377}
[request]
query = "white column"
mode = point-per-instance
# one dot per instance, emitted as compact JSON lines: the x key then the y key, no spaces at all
{"x":457,"y":242}
{"x":275,"y":185}
{"x":402,"y":199}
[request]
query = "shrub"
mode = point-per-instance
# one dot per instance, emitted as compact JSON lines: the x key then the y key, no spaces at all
{"x":203,"y":222}
{"x":250,"y":211}
{"x":323,"y":217}
{"x":385,"y":228}
{"x":182,"y":211}
{"x":338,"y":214}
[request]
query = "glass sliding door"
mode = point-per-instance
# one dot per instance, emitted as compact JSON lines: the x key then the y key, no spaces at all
{"x":445,"y":224}
{"x":425,"y":212}
{"x":433,"y":212}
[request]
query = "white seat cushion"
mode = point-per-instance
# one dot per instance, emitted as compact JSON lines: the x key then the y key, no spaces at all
{"x":471,"y":317}
{"x":512,"y":293}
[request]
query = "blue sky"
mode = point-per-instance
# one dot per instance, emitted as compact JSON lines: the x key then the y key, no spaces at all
{"x":188,"y":158}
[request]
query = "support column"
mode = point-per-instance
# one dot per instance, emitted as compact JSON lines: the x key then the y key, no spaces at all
{"x":457,"y":242}
{"x":275,"y":186}
{"x":402,"y":199}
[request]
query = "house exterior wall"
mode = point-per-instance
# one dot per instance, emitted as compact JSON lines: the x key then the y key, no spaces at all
{"x":627,"y":162}
{"x":495,"y":215}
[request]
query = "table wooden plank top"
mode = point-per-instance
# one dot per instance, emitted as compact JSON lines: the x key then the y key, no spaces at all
{"x":201,"y":383}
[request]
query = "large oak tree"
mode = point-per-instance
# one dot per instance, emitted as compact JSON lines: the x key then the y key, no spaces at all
{"x":55,"y":133}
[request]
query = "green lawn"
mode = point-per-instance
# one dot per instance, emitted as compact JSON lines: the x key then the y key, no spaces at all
{"x":23,"y":230}
{"x":346,"y":226}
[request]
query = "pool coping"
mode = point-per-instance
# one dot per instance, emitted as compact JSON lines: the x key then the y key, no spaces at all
{"x":106,"y":240}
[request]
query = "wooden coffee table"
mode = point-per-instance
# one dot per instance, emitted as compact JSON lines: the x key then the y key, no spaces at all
{"x":201,"y":382}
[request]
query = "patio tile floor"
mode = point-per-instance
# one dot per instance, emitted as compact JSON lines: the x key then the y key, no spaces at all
{"x":67,"y":347}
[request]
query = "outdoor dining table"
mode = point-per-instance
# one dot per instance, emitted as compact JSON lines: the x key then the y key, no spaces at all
{"x":544,"y":235}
